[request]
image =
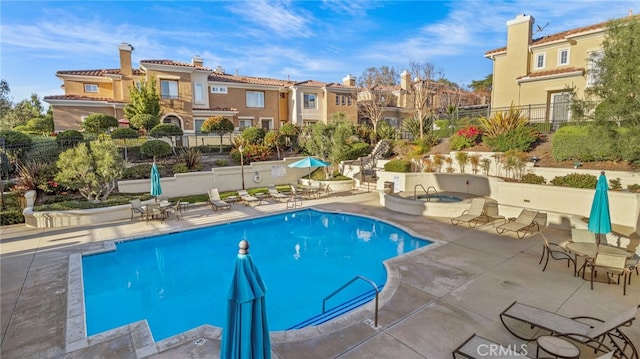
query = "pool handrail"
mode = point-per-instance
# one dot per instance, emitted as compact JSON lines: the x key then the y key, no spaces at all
{"x":373,"y":284}
{"x":426,"y":191}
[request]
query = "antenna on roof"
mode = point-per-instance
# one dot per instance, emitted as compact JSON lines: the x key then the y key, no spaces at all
{"x":538,"y":28}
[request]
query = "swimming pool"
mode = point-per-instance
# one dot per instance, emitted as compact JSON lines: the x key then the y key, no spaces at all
{"x":179,"y":281}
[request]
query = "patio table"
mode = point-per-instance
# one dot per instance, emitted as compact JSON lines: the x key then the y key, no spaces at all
{"x":589,"y":250}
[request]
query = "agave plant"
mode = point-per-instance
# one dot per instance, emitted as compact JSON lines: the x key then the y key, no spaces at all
{"x":192,"y":157}
{"x":502,"y":122}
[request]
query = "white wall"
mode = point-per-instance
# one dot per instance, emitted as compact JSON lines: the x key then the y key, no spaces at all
{"x":223,"y":178}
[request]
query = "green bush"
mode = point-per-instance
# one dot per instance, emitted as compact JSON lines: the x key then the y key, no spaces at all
{"x":69,"y":138}
{"x":575,"y":180}
{"x":11,"y":216}
{"x":634,"y":187}
{"x":398,"y":166}
{"x":141,"y":171}
{"x":253,"y":135}
{"x":180,"y":168}
{"x":358,"y":149}
{"x":520,"y":138}
{"x":457,"y":142}
{"x":156,"y":148}
{"x":584,"y":143}
{"x":533,"y":179}
{"x":221,"y":163}
{"x":628,"y":144}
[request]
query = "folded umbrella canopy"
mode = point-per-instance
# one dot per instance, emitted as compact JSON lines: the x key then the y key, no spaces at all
{"x":600,"y":218}
{"x":308,"y":162}
{"x":156,"y":189}
{"x":246,"y":331}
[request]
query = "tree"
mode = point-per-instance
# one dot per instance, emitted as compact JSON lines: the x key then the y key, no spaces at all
{"x":5,"y":104}
{"x":482,"y":86}
{"x":155,"y":148}
{"x":372,"y":103}
{"x":92,"y":170}
{"x":616,"y":74}
{"x":168,"y":130}
{"x":218,"y":125}
{"x":274,"y":139}
{"x":144,"y":121}
{"x":423,"y":89}
{"x":290,"y":132}
{"x":145,"y":99}
{"x":99,"y":123}
{"x":253,"y":135}
{"x":23,"y":111}
{"x":383,"y":75}
{"x":123,"y":134}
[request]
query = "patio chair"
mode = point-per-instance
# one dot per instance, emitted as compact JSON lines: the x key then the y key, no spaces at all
{"x":295,"y":200}
{"x":175,"y":209}
{"x":215,"y":201}
{"x":472,"y":215}
{"x":275,"y":194}
{"x":136,"y":208}
{"x":324,"y":190}
{"x":537,"y":322}
{"x":611,"y":264}
{"x":522,"y":224}
{"x":247,"y":198}
{"x":555,"y":251}
{"x":633,"y":263}
{"x":153,"y":210}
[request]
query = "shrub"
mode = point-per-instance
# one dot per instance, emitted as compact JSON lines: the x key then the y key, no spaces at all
{"x":165,"y":130}
{"x":575,"y":180}
{"x":192,"y":158}
{"x":614,"y":184}
{"x":398,"y":166}
{"x":155,"y":148}
{"x":69,"y":138}
{"x":502,"y":122}
{"x":180,"y":168}
{"x":99,"y":123}
{"x":463,"y":160}
{"x":358,"y":149}
{"x":628,"y":144}
{"x":520,"y":139}
{"x":124,"y":132}
{"x":533,"y":179}
{"x":584,"y":143}
{"x":11,"y":216}
{"x":141,"y":171}
{"x":253,"y":135}
{"x":221,"y":163}
{"x":634,"y":187}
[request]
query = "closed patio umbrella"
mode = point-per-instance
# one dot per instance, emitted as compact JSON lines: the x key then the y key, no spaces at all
{"x":308,"y":162}
{"x":246,"y":331}
{"x":600,"y":218}
{"x":156,"y":189}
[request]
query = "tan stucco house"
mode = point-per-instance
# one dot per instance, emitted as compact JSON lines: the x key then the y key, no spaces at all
{"x":191,"y":92}
{"x":537,"y":74}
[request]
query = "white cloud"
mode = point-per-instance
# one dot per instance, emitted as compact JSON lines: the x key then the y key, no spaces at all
{"x":278,"y":17}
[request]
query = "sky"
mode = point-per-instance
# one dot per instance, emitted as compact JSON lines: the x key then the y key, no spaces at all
{"x":297,"y":40}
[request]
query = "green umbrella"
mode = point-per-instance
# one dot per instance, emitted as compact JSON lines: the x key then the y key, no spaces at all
{"x":156,"y":189}
{"x":246,"y":331}
{"x":599,"y":218}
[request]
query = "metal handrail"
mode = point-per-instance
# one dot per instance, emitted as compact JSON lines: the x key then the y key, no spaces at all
{"x":436,"y":192}
{"x":373,"y":284}
{"x":415,"y":188}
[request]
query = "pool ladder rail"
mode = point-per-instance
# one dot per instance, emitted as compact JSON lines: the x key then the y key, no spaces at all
{"x":415,"y":192}
{"x":345,"y":307}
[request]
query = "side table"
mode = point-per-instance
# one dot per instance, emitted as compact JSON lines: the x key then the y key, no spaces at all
{"x":556,"y":346}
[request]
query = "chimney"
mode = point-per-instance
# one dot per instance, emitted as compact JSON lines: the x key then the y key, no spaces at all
{"x":405,"y":80}
{"x":349,"y":80}
{"x":219,"y":70}
{"x":125,"y":59}
{"x":519,"y":38}
{"x":197,"y":61}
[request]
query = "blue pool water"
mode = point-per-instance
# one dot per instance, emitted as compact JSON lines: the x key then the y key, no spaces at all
{"x":179,"y":281}
{"x":444,"y":198}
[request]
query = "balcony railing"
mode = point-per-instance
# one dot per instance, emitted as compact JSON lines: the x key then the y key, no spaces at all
{"x":175,"y":102}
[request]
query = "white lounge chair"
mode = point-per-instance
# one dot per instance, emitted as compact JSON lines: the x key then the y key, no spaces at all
{"x":216,"y":202}
{"x":472,"y":215}
{"x":522,"y":224}
{"x":247,"y":198}
{"x":275,"y":194}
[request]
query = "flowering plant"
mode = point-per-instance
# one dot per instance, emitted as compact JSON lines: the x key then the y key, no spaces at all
{"x":465,"y":137}
{"x":470,"y":132}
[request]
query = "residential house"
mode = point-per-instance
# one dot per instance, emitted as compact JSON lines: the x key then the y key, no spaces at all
{"x":538,"y":74}
{"x":191,"y":92}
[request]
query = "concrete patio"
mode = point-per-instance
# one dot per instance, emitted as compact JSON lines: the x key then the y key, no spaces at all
{"x":434,"y":300}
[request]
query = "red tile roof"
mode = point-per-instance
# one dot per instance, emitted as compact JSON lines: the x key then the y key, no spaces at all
{"x":173,"y":63}
{"x":99,"y":73}
{"x":311,"y":83}
{"x":555,"y":37}
{"x":81,"y":98}
{"x":553,"y":72}
{"x":216,"y":109}
{"x":222,"y":77}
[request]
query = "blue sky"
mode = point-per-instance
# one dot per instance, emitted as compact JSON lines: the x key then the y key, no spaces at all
{"x":300,"y":40}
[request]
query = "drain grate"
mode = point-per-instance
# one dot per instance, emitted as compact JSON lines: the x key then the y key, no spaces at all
{"x":199,"y":341}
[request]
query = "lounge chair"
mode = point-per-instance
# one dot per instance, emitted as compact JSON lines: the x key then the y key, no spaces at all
{"x":247,"y":198}
{"x":472,"y":215}
{"x":556,"y":252}
{"x":611,"y":264}
{"x":275,"y":194}
{"x":295,"y":200}
{"x":216,"y":202}
{"x":136,"y":208}
{"x":479,"y":347}
{"x":522,"y":224}
{"x":534,"y":319}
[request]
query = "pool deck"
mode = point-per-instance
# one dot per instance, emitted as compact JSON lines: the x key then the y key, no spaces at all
{"x":434,"y":300}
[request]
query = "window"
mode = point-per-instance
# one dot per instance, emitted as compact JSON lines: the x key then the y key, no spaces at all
{"x":592,"y":67}
{"x":218,"y":89}
{"x":563,"y":57}
{"x":337,"y":99}
{"x":349,"y":101}
{"x":168,"y":89}
{"x":539,"y":64}
{"x":392,"y":121}
{"x":309,"y":101}
{"x":245,"y":122}
{"x":90,"y":88}
{"x":198,"y":93}
{"x":344,"y":99}
{"x":255,"y":99}
{"x":198,"y":124}
{"x":266,"y":123}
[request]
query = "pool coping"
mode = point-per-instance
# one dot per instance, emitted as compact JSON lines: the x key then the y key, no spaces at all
{"x":144,"y":345}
